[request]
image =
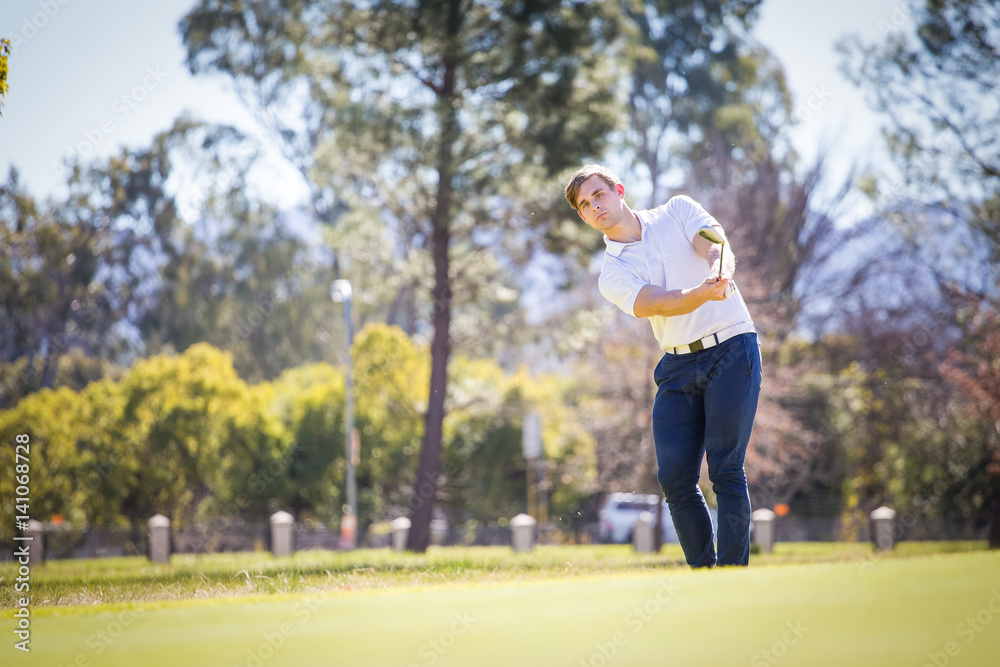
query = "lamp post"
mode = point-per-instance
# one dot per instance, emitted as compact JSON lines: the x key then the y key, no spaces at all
{"x":340,"y":292}
{"x":531,"y":446}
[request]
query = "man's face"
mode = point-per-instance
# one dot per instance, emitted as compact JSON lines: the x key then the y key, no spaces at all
{"x":600,"y":205}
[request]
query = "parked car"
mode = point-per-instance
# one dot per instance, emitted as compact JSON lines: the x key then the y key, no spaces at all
{"x":621,"y":511}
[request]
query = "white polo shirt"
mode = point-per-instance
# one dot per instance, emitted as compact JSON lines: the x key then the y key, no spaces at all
{"x":665,"y":256}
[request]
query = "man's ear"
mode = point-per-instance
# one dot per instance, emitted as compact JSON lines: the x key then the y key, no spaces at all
{"x":580,"y":213}
{"x":620,"y":189}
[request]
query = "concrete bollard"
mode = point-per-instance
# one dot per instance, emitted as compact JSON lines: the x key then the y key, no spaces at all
{"x":522,"y":532}
{"x":643,"y":538}
{"x":439,"y":531}
{"x":281,"y":534}
{"x":36,"y":544}
{"x":400,"y":531}
{"x":882,"y":520}
{"x":159,"y":539}
{"x":763,"y":529}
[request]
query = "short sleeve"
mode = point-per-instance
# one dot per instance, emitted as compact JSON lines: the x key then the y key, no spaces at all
{"x":690,"y":214}
{"x":619,"y":285}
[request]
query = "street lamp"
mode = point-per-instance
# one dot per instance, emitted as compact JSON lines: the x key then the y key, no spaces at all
{"x":340,"y":292}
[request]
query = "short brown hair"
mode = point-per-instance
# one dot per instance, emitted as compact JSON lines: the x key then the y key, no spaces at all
{"x":572,"y":191}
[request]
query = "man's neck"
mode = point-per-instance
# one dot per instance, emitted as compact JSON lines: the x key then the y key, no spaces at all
{"x":628,"y":231}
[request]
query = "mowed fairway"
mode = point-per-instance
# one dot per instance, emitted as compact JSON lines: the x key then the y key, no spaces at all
{"x":937,"y":610}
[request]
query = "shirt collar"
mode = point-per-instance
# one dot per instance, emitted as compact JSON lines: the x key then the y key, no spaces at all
{"x":615,"y":248}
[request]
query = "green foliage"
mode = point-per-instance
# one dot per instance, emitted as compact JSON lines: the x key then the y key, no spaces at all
{"x":171,"y":434}
{"x":482,"y":459}
{"x":937,"y":89}
{"x":441,"y":116}
{"x":888,"y":435}
{"x":115,"y":271}
{"x":55,"y":463}
{"x":176,"y":413}
{"x":184,"y":436}
{"x":389,"y":106}
{"x":4,"y":54}
{"x":702,"y":96}
{"x":318,"y":436}
{"x":391,"y":390}
{"x":51,"y":286}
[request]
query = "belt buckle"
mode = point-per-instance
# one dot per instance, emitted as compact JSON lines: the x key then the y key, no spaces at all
{"x":696,"y":346}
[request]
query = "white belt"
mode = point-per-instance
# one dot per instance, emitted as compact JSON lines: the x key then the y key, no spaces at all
{"x":714,"y":339}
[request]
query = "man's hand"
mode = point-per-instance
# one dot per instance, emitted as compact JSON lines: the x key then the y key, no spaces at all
{"x":714,"y":289}
{"x":653,"y":300}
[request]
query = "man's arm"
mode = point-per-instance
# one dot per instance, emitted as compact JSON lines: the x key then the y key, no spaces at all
{"x":711,"y":251}
{"x":653,"y":300}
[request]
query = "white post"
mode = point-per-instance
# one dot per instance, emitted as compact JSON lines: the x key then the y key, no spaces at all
{"x":400,"y":531}
{"x":522,"y":532}
{"x":281,"y":533}
{"x":882,"y":520}
{"x":341,"y":291}
{"x":159,"y":539}
{"x":642,"y":535}
{"x":763,"y":529}
{"x":36,"y":545}
{"x":531,"y":447}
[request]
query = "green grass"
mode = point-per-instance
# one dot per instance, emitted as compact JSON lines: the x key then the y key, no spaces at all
{"x":135,"y":579}
{"x":840,"y":607}
{"x":131,"y":580}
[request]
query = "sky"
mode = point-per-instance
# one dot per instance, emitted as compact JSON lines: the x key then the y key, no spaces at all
{"x":87,"y":80}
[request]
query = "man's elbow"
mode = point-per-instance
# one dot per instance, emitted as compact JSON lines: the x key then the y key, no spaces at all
{"x":665,"y":308}
{"x":645,"y":304}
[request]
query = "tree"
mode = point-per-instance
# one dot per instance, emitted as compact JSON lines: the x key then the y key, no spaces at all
{"x":440,"y":113}
{"x":939,"y":95}
{"x":976,"y":372}
{"x":485,"y":476}
{"x":700,"y":93}
{"x":115,"y":271}
{"x":184,"y":436}
{"x":52,"y":448}
{"x":937,"y":89}
{"x":174,"y":426}
{"x":392,"y":375}
{"x":235,"y":277}
{"x":53,"y":279}
{"x":180,"y":435}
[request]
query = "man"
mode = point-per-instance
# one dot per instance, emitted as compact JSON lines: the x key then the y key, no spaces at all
{"x":656,"y":266}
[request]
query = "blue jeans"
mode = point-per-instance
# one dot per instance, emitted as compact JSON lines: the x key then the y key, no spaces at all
{"x":705,"y":405}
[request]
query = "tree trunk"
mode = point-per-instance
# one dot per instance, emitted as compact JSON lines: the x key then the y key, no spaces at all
{"x":425,"y":488}
{"x":429,"y":470}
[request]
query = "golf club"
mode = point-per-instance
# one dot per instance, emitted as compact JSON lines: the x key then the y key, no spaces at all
{"x":709,"y":235}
